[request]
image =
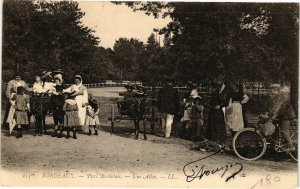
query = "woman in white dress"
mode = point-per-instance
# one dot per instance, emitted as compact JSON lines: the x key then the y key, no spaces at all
{"x":81,"y":99}
{"x":238,"y":99}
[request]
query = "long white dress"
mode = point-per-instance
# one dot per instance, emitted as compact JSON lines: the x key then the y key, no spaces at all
{"x":235,"y":120}
{"x":81,"y":100}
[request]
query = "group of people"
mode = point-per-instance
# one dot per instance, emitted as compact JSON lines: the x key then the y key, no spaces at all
{"x":72,"y":107}
{"x":226,"y":111}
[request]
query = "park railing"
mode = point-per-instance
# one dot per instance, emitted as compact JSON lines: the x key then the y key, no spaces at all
{"x":252,"y":91}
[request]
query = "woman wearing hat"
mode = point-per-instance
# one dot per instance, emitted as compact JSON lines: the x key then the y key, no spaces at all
{"x":81,"y":97}
{"x":216,"y":129}
{"x":11,"y":90}
{"x":92,"y":119}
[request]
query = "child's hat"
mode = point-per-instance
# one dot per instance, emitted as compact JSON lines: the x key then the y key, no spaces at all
{"x":128,"y":85}
{"x":92,"y":99}
{"x":197,"y":97}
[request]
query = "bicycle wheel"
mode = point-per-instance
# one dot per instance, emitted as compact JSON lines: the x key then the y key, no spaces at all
{"x":294,"y":137}
{"x":249,"y":144}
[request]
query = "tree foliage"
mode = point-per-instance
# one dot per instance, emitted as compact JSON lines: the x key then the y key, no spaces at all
{"x":48,"y":38}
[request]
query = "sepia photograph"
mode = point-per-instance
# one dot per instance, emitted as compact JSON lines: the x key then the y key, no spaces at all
{"x":149,"y":94}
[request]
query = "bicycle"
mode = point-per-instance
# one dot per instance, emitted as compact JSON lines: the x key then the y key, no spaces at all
{"x":251,"y":143}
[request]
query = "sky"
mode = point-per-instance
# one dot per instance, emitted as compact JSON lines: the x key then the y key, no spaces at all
{"x":111,"y":22}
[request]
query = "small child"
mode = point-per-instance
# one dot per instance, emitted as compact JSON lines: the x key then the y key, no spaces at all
{"x":58,"y":100}
{"x":186,"y":116}
{"x":92,"y":119}
{"x":196,"y":122}
{"x":71,"y":117}
{"x":21,"y":109}
{"x":38,"y":85}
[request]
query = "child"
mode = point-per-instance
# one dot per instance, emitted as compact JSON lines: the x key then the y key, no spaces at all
{"x":38,"y":85}
{"x":196,"y":122}
{"x":21,"y":109}
{"x":58,"y":101}
{"x":92,"y":119}
{"x":71,"y":117}
{"x":186,"y":117}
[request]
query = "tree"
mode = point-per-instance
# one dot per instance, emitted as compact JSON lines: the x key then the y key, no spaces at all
{"x":47,"y":38}
{"x":126,"y":55}
{"x":247,"y":41}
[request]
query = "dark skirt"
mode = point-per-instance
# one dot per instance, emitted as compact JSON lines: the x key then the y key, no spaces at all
{"x":71,"y":119}
{"x":216,"y":130}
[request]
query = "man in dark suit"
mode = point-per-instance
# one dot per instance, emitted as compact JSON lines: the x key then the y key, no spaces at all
{"x":168,"y":105}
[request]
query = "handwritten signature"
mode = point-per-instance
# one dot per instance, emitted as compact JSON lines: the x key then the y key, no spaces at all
{"x":193,"y":170}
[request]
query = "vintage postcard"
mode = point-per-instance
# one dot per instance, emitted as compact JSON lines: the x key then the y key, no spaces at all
{"x":149,"y":94}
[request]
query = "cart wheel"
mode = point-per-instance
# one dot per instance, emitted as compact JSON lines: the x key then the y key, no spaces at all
{"x":112,"y":118}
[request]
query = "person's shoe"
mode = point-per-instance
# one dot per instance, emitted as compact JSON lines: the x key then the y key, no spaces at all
{"x":293,"y":148}
{"x":96,"y":132}
{"x":59,"y":135}
{"x":290,"y":149}
{"x":68,"y":133}
{"x":34,"y":134}
{"x":74,"y":135}
{"x":18,"y":134}
{"x":90,"y":133}
{"x":145,"y":137}
{"x":54,"y":134}
{"x":136,"y":137}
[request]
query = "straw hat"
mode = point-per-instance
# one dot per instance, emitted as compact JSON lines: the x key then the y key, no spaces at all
{"x":58,"y":71}
{"x":275,"y":86}
{"x":44,"y":74}
{"x":197,"y":97}
{"x":128,"y":85}
{"x":92,"y":99}
{"x":140,"y":87}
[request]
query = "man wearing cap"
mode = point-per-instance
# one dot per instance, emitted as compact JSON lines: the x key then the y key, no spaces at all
{"x":281,"y":109}
{"x":12,"y":89}
{"x":168,"y":105}
{"x":129,"y":95}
